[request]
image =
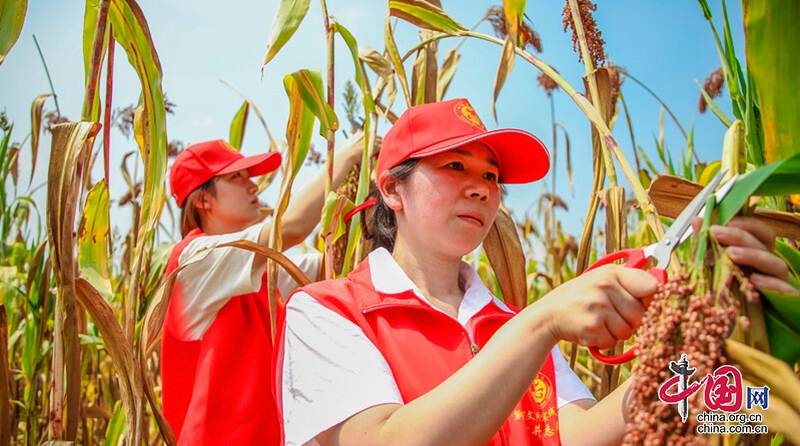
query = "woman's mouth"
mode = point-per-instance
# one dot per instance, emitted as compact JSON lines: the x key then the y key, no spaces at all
{"x":472,"y":219}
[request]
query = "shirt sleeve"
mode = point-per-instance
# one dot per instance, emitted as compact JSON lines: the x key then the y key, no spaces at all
{"x":569,"y":387}
{"x":308,"y":262}
{"x":331,"y":371}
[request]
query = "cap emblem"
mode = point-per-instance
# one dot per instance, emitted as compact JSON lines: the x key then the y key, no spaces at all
{"x":466,"y":113}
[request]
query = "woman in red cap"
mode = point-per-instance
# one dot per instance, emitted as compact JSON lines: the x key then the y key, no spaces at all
{"x":411,"y":348}
{"x":216,"y":348}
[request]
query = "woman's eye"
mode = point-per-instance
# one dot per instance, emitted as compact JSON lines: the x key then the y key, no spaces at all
{"x":456,"y":165}
{"x":491,"y":176}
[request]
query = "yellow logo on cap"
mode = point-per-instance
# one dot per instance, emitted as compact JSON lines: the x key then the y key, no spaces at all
{"x":541,"y":390}
{"x":466,"y":113}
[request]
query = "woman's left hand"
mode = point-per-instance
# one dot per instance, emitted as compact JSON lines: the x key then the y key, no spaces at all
{"x":751,"y":243}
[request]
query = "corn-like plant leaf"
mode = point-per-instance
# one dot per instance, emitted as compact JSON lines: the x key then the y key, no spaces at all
{"x":726,"y":121}
{"x":303,"y":94}
{"x":12,"y":16}
{"x":424,"y":15}
{"x":119,"y":349}
{"x":394,"y":56}
{"x":30,"y":350}
{"x":94,"y":51}
{"x":361,"y":78}
{"x":36,"y":126}
{"x":383,"y":68}
{"x":784,"y":340}
{"x":709,"y":172}
{"x":93,"y":240}
{"x":116,"y":426}
{"x":773,"y":35}
{"x":779,"y":178}
{"x":286,"y":21}
{"x":514,"y":10}
{"x":309,"y":86}
{"x":505,"y":253}
{"x":132,"y":33}
{"x":71,"y":145}
{"x":333,"y":213}
{"x":503,"y":69}
{"x":446,"y":72}
{"x":734,"y":156}
{"x":790,"y":255}
{"x":238,"y":125}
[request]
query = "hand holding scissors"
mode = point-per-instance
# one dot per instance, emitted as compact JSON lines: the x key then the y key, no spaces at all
{"x":661,"y":252}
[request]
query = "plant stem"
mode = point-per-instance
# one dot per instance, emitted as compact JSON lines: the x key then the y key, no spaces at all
{"x":330,"y":136}
{"x":592,"y":82}
{"x":47,"y":72}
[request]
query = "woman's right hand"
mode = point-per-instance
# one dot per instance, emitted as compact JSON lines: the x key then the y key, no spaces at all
{"x":600,"y":307}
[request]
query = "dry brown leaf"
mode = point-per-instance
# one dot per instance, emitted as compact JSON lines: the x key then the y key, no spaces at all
{"x":507,"y":58}
{"x":505,"y":254}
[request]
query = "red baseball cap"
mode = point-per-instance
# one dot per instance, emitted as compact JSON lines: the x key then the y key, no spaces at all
{"x":427,"y":129}
{"x":200,"y":162}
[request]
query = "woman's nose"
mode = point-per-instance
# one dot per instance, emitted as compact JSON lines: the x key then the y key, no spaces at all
{"x":251,"y":187}
{"x":477,"y":189}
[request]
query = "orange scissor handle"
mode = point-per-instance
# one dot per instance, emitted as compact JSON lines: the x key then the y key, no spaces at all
{"x":635,"y":259}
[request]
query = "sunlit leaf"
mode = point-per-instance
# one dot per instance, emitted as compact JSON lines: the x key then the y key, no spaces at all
{"x":36,"y":126}
{"x":514,"y":10}
{"x":779,"y":178}
{"x":12,"y":16}
{"x":361,"y":77}
{"x":383,"y":67}
{"x":309,"y":87}
{"x":726,"y":121}
{"x":116,"y":426}
{"x":709,"y":173}
{"x":772,"y":38}
{"x":424,"y":15}
{"x":93,"y":239}
{"x":92,"y":62}
{"x":238,"y":125}
{"x":503,"y":70}
{"x":286,"y":21}
{"x":446,"y":72}
{"x":734,"y":156}
{"x":394,"y":56}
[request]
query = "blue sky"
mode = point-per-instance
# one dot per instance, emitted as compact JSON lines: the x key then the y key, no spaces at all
{"x":666,"y":45}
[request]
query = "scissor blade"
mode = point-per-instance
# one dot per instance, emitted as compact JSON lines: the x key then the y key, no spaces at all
{"x":682,"y":223}
{"x":720,"y":194}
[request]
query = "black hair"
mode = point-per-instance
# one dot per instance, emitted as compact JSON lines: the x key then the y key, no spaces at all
{"x":380,"y":224}
{"x":190,"y":214}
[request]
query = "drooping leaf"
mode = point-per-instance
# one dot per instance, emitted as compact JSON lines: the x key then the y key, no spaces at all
{"x":779,"y":178}
{"x":772,"y":37}
{"x":446,"y":72}
{"x":361,"y":78}
{"x":238,"y":125}
{"x":383,"y":68}
{"x":286,"y":21}
{"x":394,"y":56}
{"x":503,"y":248}
{"x":94,"y":51}
{"x":726,"y":121}
{"x":12,"y":17}
{"x":309,"y":86}
{"x":514,"y":10}
{"x":503,"y":69}
{"x":790,"y":255}
{"x":93,"y":238}
{"x":424,"y":15}
{"x":36,"y":126}
{"x":301,"y":117}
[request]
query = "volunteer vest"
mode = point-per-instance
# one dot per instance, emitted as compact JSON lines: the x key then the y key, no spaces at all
{"x":218,"y":390}
{"x":424,"y":347}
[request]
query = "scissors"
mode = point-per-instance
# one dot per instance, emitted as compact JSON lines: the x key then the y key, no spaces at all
{"x":661,"y":252}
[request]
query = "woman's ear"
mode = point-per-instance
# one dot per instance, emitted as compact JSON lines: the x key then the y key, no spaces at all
{"x":388,"y":187}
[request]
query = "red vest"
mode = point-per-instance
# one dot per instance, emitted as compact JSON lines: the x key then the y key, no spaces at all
{"x":217,"y":390}
{"x":424,"y":347}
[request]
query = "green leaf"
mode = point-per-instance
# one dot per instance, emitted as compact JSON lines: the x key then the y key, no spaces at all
{"x":12,"y":17}
{"x":514,"y":10}
{"x":361,"y":77}
{"x":116,"y":427}
{"x":300,"y":125}
{"x":286,"y":21}
{"x":424,"y":15}
{"x":31,"y":348}
{"x":309,"y":86}
{"x":778,"y":178}
{"x":133,"y":34}
{"x":773,"y":41}
{"x":790,"y":255}
{"x":784,"y":343}
{"x":238,"y":125}
{"x":715,"y":108}
{"x":336,"y":207}
{"x":93,"y":242}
